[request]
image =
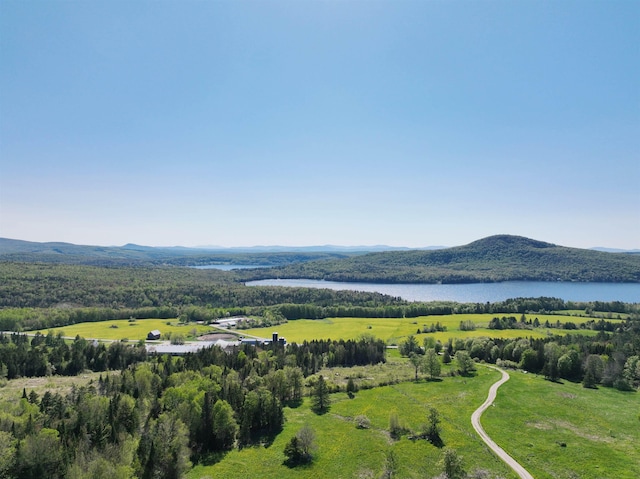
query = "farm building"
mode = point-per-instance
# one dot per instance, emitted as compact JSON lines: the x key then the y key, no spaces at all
{"x":230,"y":322}
{"x":191,"y":347}
{"x":155,"y":334}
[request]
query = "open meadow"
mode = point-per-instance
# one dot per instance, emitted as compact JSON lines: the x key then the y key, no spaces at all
{"x":347,"y":452}
{"x":395,"y":330}
{"x":133,"y":330}
{"x":560,"y":430}
{"x":555,"y":430}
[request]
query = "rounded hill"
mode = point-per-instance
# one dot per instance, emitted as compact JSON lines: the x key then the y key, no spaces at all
{"x":491,"y":259}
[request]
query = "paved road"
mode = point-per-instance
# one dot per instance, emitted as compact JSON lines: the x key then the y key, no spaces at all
{"x":475,"y":422}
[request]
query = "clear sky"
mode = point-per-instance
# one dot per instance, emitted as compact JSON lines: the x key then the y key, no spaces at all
{"x":406,"y":123}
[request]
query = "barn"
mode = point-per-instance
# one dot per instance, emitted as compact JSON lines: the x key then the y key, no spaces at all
{"x":155,"y":334}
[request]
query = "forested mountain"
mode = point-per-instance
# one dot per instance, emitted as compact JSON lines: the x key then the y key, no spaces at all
{"x":496,"y":258}
{"x":131,"y":254}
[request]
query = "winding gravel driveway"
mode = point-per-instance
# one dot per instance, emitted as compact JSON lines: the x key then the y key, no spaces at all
{"x":475,"y":422}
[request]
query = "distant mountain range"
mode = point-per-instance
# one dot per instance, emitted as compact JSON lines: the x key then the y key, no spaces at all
{"x":615,"y":250}
{"x":496,"y":258}
{"x":28,"y":250}
{"x":133,"y":254}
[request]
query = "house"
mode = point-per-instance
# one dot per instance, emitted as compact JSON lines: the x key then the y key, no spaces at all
{"x":155,"y":334}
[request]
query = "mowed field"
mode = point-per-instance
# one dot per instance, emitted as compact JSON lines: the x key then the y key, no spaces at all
{"x":120,"y":329}
{"x":394,"y":330}
{"x":564,"y":431}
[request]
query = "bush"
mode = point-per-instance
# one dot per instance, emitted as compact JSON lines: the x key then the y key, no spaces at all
{"x":362,"y":422}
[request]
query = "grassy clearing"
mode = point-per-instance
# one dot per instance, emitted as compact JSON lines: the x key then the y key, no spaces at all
{"x":133,"y":330}
{"x":394,"y":330}
{"x":346,"y":452}
{"x":12,"y":391}
{"x":533,"y":417}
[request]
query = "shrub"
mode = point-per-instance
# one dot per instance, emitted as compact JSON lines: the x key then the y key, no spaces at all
{"x":362,"y":422}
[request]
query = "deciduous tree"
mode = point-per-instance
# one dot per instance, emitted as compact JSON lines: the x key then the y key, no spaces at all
{"x":431,"y":364}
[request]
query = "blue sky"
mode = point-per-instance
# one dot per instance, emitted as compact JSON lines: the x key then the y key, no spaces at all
{"x":408,"y":123}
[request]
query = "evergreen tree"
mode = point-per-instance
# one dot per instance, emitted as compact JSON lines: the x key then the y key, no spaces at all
{"x":320,"y":400}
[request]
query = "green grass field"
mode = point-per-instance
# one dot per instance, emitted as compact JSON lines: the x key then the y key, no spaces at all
{"x":347,"y":452}
{"x":531,"y":420}
{"x":394,"y":330}
{"x":124,"y":329}
{"x":532,"y":417}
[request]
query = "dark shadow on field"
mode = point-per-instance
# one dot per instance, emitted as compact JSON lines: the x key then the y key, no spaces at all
{"x":555,"y":381}
{"x":210,"y":458}
{"x":261,"y":439}
{"x":294,"y":403}
{"x":297,"y":464}
{"x":434,"y":440}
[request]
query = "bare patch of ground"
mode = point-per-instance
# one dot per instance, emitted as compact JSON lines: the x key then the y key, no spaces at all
{"x":580,"y":433}
{"x":216,"y":336}
{"x":568,"y":395}
{"x":547,"y":425}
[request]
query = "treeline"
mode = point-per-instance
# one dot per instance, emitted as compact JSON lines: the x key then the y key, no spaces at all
{"x":510,"y":322}
{"x":40,"y":355}
{"x":609,"y":359}
{"x":24,"y":356}
{"x":412,"y":310}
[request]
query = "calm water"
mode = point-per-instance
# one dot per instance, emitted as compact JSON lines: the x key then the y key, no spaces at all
{"x":229,"y":267}
{"x":479,"y":292}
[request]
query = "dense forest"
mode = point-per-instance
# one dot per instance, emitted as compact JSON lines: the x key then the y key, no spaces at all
{"x":153,"y":416}
{"x":497,"y":258}
{"x":44,"y":285}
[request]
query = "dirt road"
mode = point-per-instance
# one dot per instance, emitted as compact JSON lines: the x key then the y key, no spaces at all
{"x":475,"y":422}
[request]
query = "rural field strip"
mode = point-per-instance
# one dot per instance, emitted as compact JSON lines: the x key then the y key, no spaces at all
{"x":475,"y":422}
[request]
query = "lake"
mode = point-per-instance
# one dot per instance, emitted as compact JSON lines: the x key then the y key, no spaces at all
{"x":478,"y":292}
{"x":229,"y":267}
